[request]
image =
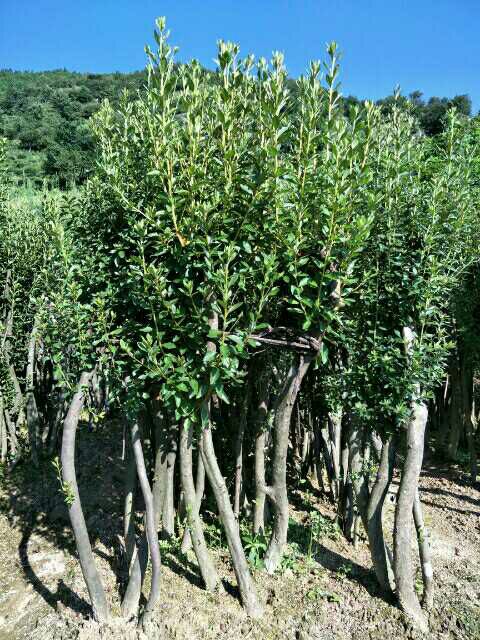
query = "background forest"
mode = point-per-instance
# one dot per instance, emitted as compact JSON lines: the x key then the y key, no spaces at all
{"x":44,"y":116}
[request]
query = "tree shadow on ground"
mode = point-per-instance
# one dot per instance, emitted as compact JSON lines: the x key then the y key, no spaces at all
{"x":335,"y":562}
{"x":183,"y":567}
{"x":37,"y":508}
{"x":457,"y":496}
{"x":63,"y":595}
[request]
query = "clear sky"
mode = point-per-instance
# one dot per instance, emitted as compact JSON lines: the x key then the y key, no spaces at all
{"x":431,"y":45}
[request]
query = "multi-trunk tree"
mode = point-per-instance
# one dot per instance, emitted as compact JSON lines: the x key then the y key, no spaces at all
{"x":261,"y":288}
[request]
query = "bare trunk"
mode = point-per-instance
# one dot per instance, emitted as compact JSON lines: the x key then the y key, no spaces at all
{"x":12,"y":435}
{"x":129,"y":507}
{"x":246,"y":585}
{"x":52,"y":445}
{"x":33,"y":421}
{"x":163,"y":484}
{"x":3,"y":434}
{"x":471,"y":444}
{"x":335,"y":429}
{"x":403,"y":565}
{"x":260,"y":444}
{"x":150,"y":525}
{"x":192,"y":505}
{"x":278,"y":491}
{"x":423,"y":537}
{"x":345,"y":508}
{"x":131,"y":599}
{"x":324,"y":438}
{"x":455,"y":413}
{"x":248,"y":592}
{"x":87,"y":563}
{"x":469,"y":419}
{"x":199,"y":491}
{"x":318,"y":456}
{"x":356,"y":444}
{"x":378,"y":550}
{"x":238,"y":487}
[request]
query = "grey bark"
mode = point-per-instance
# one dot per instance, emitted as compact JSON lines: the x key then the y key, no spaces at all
{"x":199,"y":491}
{"x":3,"y":434}
{"x":378,"y":550}
{"x":455,"y":413}
{"x":163,"y":484}
{"x":61,"y":397}
{"x":471,"y":443}
{"x":469,"y":419}
{"x":192,"y":505}
{"x":324,"y":438}
{"x":246,"y":585}
{"x":260,"y":445}
{"x":87,"y":563}
{"x":278,"y":491}
{"x":345,"y":510}
{"x":335,"y":429}
{"x":356,"y":443}
{"x":129,"y":506}
{"x":423,"y":537}
{"x":238,"y":485}
{"x":403,"y":565}
{"x":12,"y":435}
{"x":150,"y":525}
{"x":133,"y":591}
{"x":33,"y":420}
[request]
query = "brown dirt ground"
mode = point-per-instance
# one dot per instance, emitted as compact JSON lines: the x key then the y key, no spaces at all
{"x":332,"y":597}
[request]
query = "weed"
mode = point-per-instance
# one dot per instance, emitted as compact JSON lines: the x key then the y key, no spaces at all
{"x":319,"y":594}
{"x":65,"y":487}
{"x":255,"y":545}
{"x":344,"y":571}
{"x":214,"y":536}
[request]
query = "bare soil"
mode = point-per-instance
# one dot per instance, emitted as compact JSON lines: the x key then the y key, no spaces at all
{"x":331,"y":596}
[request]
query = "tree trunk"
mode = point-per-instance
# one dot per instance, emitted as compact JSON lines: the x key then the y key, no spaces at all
{"x":192,"y":506}
{"x":380,"y":557}
{"x":129,"y":506}
{"x":133,"y":591}
{"x":455,"y":413}
{"x":3,"y":434}
{"x":260,"y":445}
{"x":12,"y":435}
{"x":345,"y":508}
{"x":335,"y":430}
{"x":423,"y":537}
{"x":356,"y":443}
{"x":150,"y":525}
{"x":403,"y":566}
{"x":246,"y":585}
{"x":87,"y":563}
{"x":33,"y":421}
{"x":318,"y":456}
{"x":52,"y":444}
{"x":238,"y":486}
{"x":472,"y":449}
{"x":469,"y":418}
{"x":324,"y":438}
{"x":199,"y":491}
{"x":278,"y":491}
{"x":163,"y":484}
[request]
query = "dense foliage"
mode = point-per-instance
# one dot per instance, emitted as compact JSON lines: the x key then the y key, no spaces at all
{"x":44,"y":116}
{"x":261,"y":275}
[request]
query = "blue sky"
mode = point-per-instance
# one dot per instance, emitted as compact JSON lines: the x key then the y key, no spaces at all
{"x":431,"y":45}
